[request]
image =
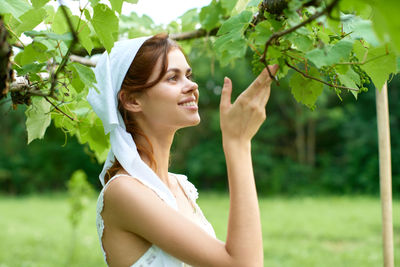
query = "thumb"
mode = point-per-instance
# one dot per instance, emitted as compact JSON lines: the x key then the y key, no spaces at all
{"x":226,"y":93}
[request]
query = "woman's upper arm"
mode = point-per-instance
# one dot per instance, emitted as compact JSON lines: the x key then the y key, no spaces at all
{"x":137,"y":209}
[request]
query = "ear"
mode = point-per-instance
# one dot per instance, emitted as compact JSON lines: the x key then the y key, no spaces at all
{"x":130,"y":101}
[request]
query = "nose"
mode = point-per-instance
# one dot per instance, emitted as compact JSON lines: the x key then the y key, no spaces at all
{"x":190,"y":86}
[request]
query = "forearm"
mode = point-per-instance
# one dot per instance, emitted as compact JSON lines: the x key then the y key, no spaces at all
{"x":244,"y":237}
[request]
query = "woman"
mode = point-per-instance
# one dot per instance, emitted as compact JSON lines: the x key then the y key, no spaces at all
{"x":147,"y":216}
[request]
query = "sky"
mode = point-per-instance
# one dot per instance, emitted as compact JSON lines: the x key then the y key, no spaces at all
{"x":163,"y":11}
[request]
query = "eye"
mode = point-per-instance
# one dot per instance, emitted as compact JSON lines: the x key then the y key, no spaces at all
{"x":173,"y":78}
{"x":190,"y":76}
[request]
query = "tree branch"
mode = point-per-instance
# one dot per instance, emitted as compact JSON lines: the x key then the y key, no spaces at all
{"x":318,"y":80}
{"x":48,"y":100}
{"x":277,"y":35}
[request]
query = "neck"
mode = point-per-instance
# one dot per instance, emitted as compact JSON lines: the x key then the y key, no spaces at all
{"x":161,"y":142}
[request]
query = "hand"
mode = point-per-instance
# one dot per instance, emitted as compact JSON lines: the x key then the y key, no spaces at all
{"x":241,"y":120}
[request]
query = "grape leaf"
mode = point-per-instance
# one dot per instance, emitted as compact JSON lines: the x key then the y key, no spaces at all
{"x":50,"y":35}
{"x":301,"y":42}
{"x":83,"y":77}
{"x":381,"y":62}
{"x":38,"y":118}
{"x":239,"y":7}
{"x":189,"y":20}
{"x":236,"y":23}
{"x":14,"y":7}
{"x":386,"y":22}
{"x":116,"y":5}
{"x":306,"y":90}
{"x":59,"y":24}
{"x":330,"y":55}
{"x":39,"y":3}
{"x":105,"y":23}
{"x":33,"y":52}
{"x":30,"y":20}
{"x":83,"y":33}
{"x":262,"y":32}
{"x":30,"y":68}
{"x":209,"y":15}
{"x":360,"y":29}
{"x":231,"y":44}
{"x":228,"y":4}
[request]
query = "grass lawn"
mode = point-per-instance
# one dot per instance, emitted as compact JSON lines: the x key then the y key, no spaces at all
{"x":302,"y":231}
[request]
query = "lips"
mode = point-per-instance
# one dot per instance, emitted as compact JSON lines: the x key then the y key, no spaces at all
{"x":188,"y":101}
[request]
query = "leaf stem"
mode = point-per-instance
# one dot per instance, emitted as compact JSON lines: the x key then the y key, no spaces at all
{"x":318,"y":80}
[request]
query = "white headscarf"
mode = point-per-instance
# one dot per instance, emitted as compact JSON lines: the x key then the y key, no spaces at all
{"x":110,"y":72}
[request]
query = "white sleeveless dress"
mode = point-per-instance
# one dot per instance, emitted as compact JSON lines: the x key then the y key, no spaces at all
{"x":154,"y":256}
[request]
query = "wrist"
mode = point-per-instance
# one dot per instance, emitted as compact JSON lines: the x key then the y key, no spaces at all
{"x":236,"y":144}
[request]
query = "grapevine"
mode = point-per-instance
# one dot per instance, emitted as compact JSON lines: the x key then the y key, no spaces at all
{"x":316,"y":43}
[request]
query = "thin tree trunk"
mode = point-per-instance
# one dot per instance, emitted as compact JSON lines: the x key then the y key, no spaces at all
{"x":300,"y":135}
{"x":311,"y":141}
{"x":385,"y":173}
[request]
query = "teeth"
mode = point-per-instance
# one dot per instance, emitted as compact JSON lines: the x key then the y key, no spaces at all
{"x":192,"y":103}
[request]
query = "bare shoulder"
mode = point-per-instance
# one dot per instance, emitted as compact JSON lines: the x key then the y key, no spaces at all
{"x":137,"y":209}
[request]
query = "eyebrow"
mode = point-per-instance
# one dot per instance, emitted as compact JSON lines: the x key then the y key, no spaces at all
{"x":178,"y":70}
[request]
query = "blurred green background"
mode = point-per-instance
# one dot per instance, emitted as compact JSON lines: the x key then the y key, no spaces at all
{"x":316,"y":171}
{"x":331,"y":150}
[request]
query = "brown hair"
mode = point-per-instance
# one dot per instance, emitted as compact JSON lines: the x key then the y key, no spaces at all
{"x":137,"y":80}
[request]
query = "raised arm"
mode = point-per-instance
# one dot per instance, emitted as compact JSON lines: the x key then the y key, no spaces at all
{"x":137,"y":209}
{"x":239,"y":123}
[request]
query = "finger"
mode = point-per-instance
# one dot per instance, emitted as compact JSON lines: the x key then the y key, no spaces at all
{"x":226,"y":94}
{"x":262,"y":81}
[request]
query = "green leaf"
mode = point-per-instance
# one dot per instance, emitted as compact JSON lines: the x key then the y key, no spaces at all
{"x":33,"y":52}
{"x":39,"y":3}
{"x":239,"y":7}
{"x":228,"y":5}
{"x":386,"y":21}
{"x":14,"y":7}
{"x":30,"y":20}
{"x":105,"y":23}
{"x":38,"y":118}
{"x":360,"y":29}
{"x":59,"y":24}
{"x":116,"y":5}
{"x":31,"y":68}
{"x":262,"y":32}
{"x":209,"y":15}
{"x":359,"y":50}
{"x":231,"y":43}
{"x":398,"y":65}
{"x":92,"y":133}
{"x":381,"y":63}
{"x":84,"y":74}
{"x":330,"y":55}
{"x":301,"y":42}
{"x":306,"y":90}
{"x":229,"y":47}
{"x":50,"y":35}
{"x":236,"y":23}
{"x":50,"y":14}
{"x":83,"y":33}
{"x":189,"y":20}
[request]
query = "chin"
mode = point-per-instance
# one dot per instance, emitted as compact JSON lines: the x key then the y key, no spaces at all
{"x":193,"y":122}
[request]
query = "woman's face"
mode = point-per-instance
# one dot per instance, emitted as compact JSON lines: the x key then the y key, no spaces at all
{"x":172,"y":102}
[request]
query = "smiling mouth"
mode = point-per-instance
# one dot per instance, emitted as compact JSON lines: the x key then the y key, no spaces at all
{"x":189,"y":104}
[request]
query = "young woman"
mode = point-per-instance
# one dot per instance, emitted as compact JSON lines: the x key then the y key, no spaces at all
{"x":147,"y":216}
